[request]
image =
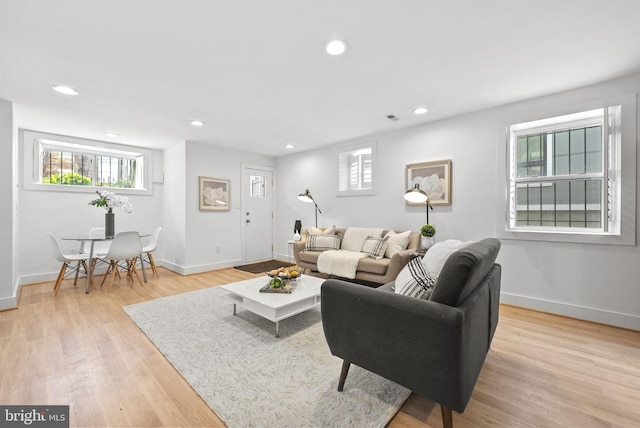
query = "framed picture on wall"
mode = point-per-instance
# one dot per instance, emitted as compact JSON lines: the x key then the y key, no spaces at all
{"x":214,"y":194}
{"x":434,"y":178}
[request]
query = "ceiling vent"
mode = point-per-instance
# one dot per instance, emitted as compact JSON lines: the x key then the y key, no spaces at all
{"x":392,"y":117}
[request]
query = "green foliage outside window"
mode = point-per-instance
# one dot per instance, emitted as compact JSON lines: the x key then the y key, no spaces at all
{"x":70,"y":178}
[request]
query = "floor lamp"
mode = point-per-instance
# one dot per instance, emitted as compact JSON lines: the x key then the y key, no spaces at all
{"x":306,"y":197}
{"x":418,"y":196}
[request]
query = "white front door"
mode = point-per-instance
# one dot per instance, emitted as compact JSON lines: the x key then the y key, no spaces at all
{"x":257,"y":213}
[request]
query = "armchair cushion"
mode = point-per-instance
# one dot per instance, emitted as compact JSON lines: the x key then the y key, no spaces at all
{"x":438,"y":254}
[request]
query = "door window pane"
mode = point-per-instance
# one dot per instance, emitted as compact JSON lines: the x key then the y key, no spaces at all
{"x":258,"y":186}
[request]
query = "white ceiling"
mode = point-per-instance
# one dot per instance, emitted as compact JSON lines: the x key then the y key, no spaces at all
{"x":255,"y":70}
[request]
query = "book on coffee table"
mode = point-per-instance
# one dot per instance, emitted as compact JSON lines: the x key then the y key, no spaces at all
{"x":287,"y":289}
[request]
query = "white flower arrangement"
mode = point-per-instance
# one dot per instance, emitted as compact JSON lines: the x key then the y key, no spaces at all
{"x":109,"y":200}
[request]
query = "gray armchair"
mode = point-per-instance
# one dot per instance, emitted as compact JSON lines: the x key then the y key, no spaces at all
{"x":436,"y":347}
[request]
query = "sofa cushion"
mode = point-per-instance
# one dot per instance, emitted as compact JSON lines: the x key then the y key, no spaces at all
{"x":464,"y":270}
{"x":354,"y":237}
{"x":374,"y":266}
{"x":322,"y":243}
{"x":413,"y":280}
{"x":309,"y":256}
{"x":397,"y":242}
{"x":375,"y":247}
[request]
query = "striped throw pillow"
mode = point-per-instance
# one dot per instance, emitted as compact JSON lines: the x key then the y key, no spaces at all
{"x":322,"y":242}
{"x":375,"y":247}
{"x":414,"y":280}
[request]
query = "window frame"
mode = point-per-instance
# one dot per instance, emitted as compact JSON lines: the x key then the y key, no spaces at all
{"x":29,"y":153}
{"x":345,"y":152}
{"x":624,"y":161}
{"x":568,"y":123}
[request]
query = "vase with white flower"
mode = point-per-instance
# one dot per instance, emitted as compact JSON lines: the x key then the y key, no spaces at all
{"x":108,"y":201}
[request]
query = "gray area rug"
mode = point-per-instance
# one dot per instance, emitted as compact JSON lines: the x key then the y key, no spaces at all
{"x":250,"y":378}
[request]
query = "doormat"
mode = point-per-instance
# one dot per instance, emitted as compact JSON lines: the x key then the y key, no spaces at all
{"x":262,"y":267}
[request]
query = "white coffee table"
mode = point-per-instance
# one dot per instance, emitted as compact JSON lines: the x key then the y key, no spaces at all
{"x":274,"y":306}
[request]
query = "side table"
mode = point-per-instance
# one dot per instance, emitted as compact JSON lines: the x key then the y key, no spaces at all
{"x":290,"y":243}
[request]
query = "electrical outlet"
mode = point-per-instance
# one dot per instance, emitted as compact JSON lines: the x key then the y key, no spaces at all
{"x":217,"y":250}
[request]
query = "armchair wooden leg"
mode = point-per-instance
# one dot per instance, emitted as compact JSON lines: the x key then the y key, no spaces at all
{"x":343,"y":374}
{"x":447,"y":417}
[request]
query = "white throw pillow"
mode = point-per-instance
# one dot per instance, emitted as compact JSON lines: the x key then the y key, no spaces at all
{"x":328,"y":231}
{"x":375,"y":247}
{"x":438,"y":254}
{"x":397,"y":242}
{"x":413,"y":280}
{"x":354,"y":237}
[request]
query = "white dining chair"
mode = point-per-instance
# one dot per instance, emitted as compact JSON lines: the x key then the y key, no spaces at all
{"x":67,"y":261}
{"x":148,"y":249}
{"x":100,"y":248}
{"x":126,"y":248}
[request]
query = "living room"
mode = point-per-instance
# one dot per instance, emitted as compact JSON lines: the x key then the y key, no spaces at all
{"x":588,"y":281}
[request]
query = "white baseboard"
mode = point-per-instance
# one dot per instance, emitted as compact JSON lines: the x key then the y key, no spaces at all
{"x":189,"y":270}
{"x":629,"y":321}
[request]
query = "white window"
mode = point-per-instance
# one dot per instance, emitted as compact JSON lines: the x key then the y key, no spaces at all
{"x":54,"y":162}
{"x":356,"y":170}
{"x":565,"y":177}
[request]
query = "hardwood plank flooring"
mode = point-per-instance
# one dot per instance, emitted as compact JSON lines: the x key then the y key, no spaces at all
{"x":84,"y":351}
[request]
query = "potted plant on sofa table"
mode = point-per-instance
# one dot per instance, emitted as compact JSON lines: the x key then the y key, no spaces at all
{"x":427,"y":231}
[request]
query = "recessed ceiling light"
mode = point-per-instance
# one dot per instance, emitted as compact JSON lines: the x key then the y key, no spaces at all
{"x":289,"y":146}
{"x":111,"y":135}
{"x":64,"y":90}
{"x":336,"y":47}
{"x":197,"y":123}
{"x":421,"y":110}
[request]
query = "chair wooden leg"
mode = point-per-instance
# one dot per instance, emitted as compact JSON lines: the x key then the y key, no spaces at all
{"x":113,"y":273}
{"x":135,"y":270}
{"x":447,"y":417}
{"x":56,"y":287}
{"x":343,"y":374}
{"x":104,"y":278}
{"x":153,"y":265}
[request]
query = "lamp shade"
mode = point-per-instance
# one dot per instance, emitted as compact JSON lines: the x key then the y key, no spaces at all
{"x":416,"y":195}
{"x":306,"y":196}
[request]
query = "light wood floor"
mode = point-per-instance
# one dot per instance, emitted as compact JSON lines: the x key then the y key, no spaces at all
{"x":84,"y":351}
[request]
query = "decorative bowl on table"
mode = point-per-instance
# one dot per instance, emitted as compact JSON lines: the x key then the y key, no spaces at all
{"x":283,"y":276}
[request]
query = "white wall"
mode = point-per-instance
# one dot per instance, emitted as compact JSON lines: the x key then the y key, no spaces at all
{"x":174,"y":220}
{"x":8,"y":174}
{"x":594,"y":282}
{"x":204,"y":231}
